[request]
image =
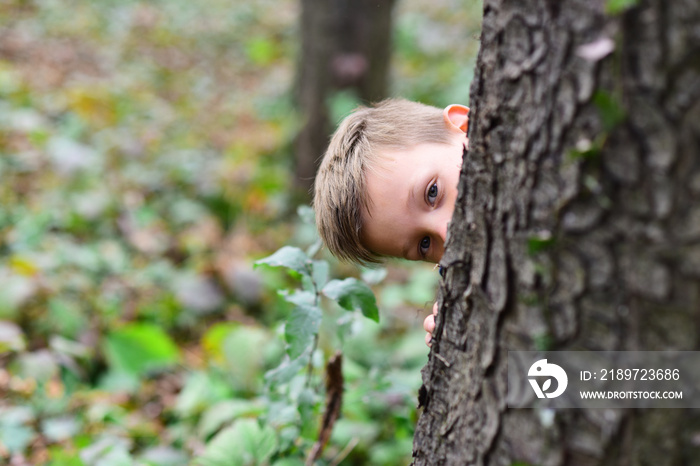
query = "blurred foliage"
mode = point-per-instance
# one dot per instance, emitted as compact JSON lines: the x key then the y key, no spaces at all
{"x":145,"y":165}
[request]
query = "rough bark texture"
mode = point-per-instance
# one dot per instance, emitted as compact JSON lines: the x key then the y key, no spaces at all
{"x":345,"y":44}
{"x":577,"y":227}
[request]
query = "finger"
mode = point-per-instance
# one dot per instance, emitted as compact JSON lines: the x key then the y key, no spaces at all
{"x":428,"y":339}
{"x":429,"y":324}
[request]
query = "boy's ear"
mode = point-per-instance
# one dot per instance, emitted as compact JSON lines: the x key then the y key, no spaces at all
{"x":456,"y":117}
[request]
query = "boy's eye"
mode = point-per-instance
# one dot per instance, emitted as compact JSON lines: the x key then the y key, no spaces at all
{"x":424,"y":245}
{"x":432,"y":194}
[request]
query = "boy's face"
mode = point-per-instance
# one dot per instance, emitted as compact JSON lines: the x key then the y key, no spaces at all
{"x":412,"y":195}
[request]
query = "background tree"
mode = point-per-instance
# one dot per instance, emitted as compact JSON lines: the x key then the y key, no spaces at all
{"x":577,"y":227}
{"x":344,"y":44}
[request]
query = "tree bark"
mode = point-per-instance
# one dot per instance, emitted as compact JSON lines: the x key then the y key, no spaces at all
{"x":577,"y":227}
{"x":345,"y":44}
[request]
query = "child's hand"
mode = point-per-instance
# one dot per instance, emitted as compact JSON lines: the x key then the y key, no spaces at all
{"x":429,"y":325}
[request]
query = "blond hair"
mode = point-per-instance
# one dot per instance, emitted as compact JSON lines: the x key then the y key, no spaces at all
{"x":340,"y":193}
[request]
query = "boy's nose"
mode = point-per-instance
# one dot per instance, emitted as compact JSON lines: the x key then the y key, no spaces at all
{"x":442,"y":231}
{"x":440,"y":234}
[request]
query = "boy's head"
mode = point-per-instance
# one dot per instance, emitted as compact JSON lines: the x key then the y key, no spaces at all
{"x":388,"y":181}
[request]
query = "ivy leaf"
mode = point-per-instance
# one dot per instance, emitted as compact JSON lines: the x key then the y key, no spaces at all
{"x":353,"y":294}
{"x":301,"y":328}
{"x":289,"y":257}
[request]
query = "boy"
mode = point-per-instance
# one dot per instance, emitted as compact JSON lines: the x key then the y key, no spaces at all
{"x":388,"y":182}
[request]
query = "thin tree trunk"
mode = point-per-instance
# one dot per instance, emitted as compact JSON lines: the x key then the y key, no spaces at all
{"x":345,"y":44}
{"x":577,"y":227}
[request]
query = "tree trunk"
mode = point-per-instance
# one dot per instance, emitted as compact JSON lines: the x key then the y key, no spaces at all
{"x":345,"y":44}
{"x":577,"y":227}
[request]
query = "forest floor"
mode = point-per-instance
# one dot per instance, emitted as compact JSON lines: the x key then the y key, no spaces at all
{"x":145,"y":158}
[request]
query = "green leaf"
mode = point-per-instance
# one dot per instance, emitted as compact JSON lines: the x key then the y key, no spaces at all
{"x":315,"y":247}
{"x":139,"y":348}
{"x":117,"y":380}
{"x":15,"y":437}
{"x":261,"y":51}
{"x":109,"y":450}
{"x":226,"y":411}
{"x":286,"y":370}
{"x":374,"y":276}
{"x":341,"y":104}
{"x":222,"y":209}
{"x":11,"y":337}
{"x":421,"y":286}
{"x":61,"y":428}
{"x":611,"y":112}
{"x":345,"y":430}
{"x":306,"y":214}
{"x":60,"y":457}
{"x":213,"y":339}
{"x":288,"y":438}
{"x":301,"y":328}
{"x":320,"y":273}
{"x":586,"y":149}
{"x":14,"y":292}
{"x":539,"y":242}
{"x":66,"y":317}
{"x":261,"y":442}
{"x":40,"y":365}
{"x":543,"y":342}
{"x":201,"y":390}
{"x":614,"y":7}
{"x":244,"y":352}
{"x":245,"y":442}
{"x":299,"y":298}
{"x":161,"y":455}
{"x":16,"y":415}
{"x":288,"y":462}
{"x":353,"y":294}
{"x":289,"y":257}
